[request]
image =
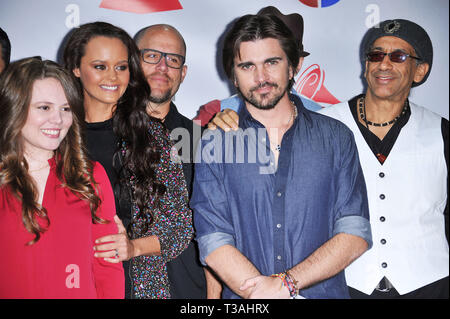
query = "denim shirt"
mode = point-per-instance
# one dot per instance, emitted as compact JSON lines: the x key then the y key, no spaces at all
{"x":278,"y":217}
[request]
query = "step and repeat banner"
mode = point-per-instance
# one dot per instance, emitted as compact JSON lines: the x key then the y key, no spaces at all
{"x":333,"y":30}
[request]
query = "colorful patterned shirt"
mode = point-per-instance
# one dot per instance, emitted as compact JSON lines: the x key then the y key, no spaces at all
{"x":172,"y":223}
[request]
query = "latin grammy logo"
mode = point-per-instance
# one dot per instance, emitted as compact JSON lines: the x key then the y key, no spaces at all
{"x":141,"y":6}
{"x":311,"y":84}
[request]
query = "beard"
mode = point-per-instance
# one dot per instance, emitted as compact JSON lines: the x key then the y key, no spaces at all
{"x":263,"y":104}
{"x":162,"y":98}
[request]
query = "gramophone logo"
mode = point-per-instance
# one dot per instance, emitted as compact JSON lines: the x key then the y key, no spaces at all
{"x":319,"y":3}
{"x":311,"y":84}
{"x":141,"y":6}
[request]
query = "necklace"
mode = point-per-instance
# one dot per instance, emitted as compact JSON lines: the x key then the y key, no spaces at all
{"x":362,"y":114}
{"x":38,"y":169}
{"x":293,"y":116}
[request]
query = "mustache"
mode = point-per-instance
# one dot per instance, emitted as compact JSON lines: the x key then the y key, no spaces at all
{"x":383,"y":74}
{"x":160,"y":74}
{"x":263,"y":84}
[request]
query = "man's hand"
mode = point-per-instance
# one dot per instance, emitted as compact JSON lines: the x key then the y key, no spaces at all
{"x":226,"y":120}
{"x":264,"y":287}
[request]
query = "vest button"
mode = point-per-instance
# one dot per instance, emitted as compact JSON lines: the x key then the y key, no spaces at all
{"x":381,"y":174}
{"x":383,"y":241}
{"x":382,"y":196}
{"x":384,"y":265}
{"x":382,"y":219}
{"x":279,"y":194}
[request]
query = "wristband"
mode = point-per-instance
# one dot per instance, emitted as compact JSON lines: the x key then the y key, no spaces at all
{"x":288,"y":282}
{"x":294,"y":283}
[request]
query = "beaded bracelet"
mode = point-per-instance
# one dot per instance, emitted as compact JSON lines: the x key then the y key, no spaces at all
{"x":288,"y":282}
{"x":294,"y":283}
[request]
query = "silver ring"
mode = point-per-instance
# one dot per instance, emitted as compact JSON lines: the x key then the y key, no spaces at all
{"x":117,"y":253}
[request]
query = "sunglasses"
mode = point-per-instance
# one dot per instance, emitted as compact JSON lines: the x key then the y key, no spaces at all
{"x":396,"y":56}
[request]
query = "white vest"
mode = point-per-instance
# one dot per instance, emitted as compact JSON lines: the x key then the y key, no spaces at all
{"x":408,"y":228}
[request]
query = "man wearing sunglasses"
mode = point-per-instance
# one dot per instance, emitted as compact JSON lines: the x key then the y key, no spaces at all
{"x":163,"y":52}
{"x":403,"y":150}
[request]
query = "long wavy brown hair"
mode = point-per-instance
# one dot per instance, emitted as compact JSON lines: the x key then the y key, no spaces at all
{"x":73,"y":168}
{"x":131,"y":123}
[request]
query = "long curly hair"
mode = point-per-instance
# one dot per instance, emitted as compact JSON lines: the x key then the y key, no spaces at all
{"x":131,"y":123}
{"x":73,"y":168}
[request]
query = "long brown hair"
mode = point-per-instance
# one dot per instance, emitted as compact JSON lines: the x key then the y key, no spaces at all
{"x":131,"y":123}
{"x":73,"y":168}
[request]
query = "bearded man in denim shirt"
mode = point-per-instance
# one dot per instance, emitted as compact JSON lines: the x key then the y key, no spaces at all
{"x":280,"y":205}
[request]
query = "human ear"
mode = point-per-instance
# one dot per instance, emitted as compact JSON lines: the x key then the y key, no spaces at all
{"x":421,"y":71}
{"x":76,"y":72}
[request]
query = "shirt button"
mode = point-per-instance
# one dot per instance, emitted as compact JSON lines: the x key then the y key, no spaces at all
{"x":382,"y":196}
{"x":263,"y":139}
{"x":279,"y":194}
{"x":278,"y":225}
{"x":383,"y":241}
{"x":381,"y":174}
{"x":382,"y":219}
{"x":384,"y":265}
{"x":279,"y":257}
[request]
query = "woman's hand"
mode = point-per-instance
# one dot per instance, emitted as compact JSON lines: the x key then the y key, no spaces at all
{"x":115,"y":248}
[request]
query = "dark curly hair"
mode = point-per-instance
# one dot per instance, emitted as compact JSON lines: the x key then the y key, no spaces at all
{"x":131,"y":122}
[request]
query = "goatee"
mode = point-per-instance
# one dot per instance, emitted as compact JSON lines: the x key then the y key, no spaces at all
{"x":259,"y":104}
{"x":161,"y":99}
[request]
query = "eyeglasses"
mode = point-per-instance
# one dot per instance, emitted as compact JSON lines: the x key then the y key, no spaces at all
{"x":173,"y":60}
{"x":396,"y":56}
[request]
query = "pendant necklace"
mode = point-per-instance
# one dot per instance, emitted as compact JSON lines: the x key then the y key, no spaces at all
{"x":293,"y":116}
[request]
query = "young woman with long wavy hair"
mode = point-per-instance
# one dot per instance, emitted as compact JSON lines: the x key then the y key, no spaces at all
{"x":155,"y":222}
{"x":54,"y":201}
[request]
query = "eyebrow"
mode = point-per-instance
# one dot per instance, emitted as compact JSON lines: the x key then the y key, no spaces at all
{"x":44,"y":102}
{"x":48,"y":102}
{"x":381,"y":49}
{"x":265,"y":61}
{"x":278,"y":58}
{"x":102,"y":61}
{"x":154,"y":50}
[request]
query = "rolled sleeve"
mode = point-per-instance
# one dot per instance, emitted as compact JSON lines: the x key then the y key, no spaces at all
{"x":208,"y":243}
{"x":351,"y":207}
{"x":233,"y":103}
{"x":354,"y":225}
{"x":212,"y":216}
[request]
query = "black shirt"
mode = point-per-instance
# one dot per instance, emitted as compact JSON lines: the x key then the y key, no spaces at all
{"x":101,"y":144}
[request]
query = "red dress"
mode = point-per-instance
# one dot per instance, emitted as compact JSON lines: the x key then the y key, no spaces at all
{"x":61,"y":264}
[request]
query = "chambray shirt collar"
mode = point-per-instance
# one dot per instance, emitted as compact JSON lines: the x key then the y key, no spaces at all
{"x":246,"y":120}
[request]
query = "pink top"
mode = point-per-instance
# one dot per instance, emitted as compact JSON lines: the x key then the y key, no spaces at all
{"x":61,"y":264}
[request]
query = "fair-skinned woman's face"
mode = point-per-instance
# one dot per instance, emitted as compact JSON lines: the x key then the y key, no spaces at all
{"x":103,"y":71}
{"x":48,"y":121}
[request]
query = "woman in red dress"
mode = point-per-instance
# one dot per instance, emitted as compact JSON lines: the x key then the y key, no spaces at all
{"x":54,"y":202}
